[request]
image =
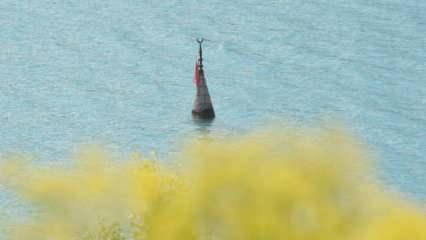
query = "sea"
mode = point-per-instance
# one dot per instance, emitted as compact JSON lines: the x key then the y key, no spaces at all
{"x":119,"y":74}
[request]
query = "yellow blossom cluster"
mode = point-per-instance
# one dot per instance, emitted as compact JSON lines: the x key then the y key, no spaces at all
{"x":270,"y":184}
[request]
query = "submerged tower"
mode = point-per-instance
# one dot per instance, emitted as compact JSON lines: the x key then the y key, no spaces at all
{"x":203,"y":107}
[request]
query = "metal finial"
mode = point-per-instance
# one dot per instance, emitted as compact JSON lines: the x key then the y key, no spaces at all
{"x":200,"y":40}
{"x":200,"y":52}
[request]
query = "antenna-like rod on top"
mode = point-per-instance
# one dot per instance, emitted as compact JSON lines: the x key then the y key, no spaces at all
{"x":200,"y":52}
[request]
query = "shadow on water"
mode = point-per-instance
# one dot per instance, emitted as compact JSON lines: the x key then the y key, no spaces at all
{"x":203,"y":126}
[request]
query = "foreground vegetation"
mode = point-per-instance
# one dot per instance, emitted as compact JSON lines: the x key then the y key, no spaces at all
{"x":272,"y":184}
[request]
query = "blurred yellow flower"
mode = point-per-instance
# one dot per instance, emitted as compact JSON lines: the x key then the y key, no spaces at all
{"x":271,"y":184}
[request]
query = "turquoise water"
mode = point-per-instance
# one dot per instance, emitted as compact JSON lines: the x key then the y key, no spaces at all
{"x":119,"y":73}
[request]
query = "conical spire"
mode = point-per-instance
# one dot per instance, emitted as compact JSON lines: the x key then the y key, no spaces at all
{"x":203,"y":107}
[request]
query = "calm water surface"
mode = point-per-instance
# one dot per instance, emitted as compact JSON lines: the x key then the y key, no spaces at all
{"x":119,"y":73}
